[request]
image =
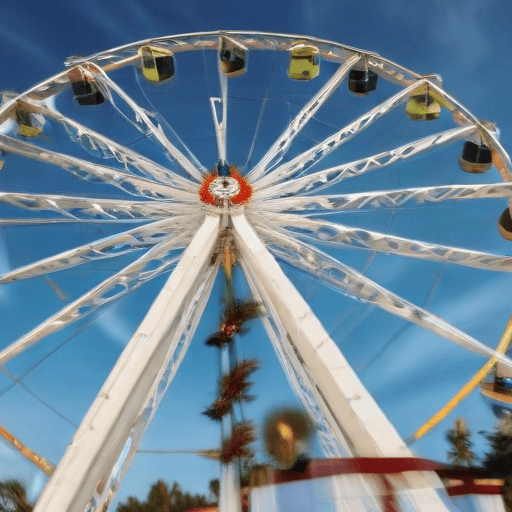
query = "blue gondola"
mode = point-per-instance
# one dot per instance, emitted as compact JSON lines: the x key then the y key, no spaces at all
{"x":361,"y":81}
{"x":499,"y":394}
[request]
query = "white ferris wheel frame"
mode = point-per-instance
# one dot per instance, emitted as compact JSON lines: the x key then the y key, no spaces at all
{"x":90,"y":471}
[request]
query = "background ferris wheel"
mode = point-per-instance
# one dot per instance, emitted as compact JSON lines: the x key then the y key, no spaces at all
{"x":393,"y":132}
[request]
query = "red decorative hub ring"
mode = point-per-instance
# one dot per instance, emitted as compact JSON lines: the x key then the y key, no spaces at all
{"x":242,"y":196}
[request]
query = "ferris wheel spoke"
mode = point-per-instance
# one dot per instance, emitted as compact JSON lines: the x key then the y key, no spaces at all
{"x":87,"y":170}
{"x":37,"y":221}
{"x":307,"y":159}
{"x":152,"y":264}
{"x":338,"y":235}
{"x":104,"y":147}
{"x":342,"y":277}
{"x":277,"y":150}
{"x":314,"y":205}
{"x":93,"y":209}
{"x":322,"y":179}
{"x":126,"y":242}
{"x":143,"y":121}
{"x":221,"y":126}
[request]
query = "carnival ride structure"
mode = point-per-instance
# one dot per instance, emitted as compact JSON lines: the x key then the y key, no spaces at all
{"x":308,"y":166}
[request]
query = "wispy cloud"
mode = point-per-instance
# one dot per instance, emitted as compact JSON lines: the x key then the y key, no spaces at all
{"x":16,"y":39}
{"x":115,"y":327}
{"x":464,"y":309}
{"x":143,"y":21}
{"x":455,"y":28}
{"x":459,"y":31}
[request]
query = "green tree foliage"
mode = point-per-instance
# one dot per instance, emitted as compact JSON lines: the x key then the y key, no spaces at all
{"x":13,"y":497}
{"x":131,"y":505}
{"x":459,"y":437}
{"x":161,"y":498}
{"x":499,"y":460}
{"x":215,"y":489}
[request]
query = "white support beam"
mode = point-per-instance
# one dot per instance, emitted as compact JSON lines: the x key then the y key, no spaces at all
{"x":340,"y":235}
{"x":368,"y":430}
{"x":129,"y":183}
{"x":143,"y":121}
{"x":114,"y":418}
{"x":277,"y":150}
{"x":302,"y":162}
{"x":91,"y":209}
{"x":328,"y":177}
{"x":222,"y":125}
{"x":328,"y":430}
{"x":103,"y":147}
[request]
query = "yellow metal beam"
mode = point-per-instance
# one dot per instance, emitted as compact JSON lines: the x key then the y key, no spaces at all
{"x":40,"y":462}
{"x":502,"y":347}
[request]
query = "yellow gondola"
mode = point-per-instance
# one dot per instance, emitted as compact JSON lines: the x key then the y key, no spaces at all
{"x":157,"y":63}
{"x":422,"y":106}
{"x":304,"y":62}
{"x":28,"y":124}
{"x":233,"y":57}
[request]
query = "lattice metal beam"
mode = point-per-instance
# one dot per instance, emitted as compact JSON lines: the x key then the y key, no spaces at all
{"x":367,"y":429}
{"x":322,"y":179}
{"x":92,"y":464}
{"x":277,"y":150}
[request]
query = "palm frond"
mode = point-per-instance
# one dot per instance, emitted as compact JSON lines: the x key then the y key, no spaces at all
{"x":237,"y":444}
{"x":234,"y":386}
{"x":240,"y":311}
{"x":218,"y":409}
{"x":218,"y":339}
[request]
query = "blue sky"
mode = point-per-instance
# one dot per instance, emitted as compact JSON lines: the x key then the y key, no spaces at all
{"x":466,"y":42}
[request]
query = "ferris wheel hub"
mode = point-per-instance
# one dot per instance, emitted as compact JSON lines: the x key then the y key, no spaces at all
{"x":215,"y":188}
{"x":224,"y":187}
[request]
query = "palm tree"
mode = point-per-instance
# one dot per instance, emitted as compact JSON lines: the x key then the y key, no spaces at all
{"x":499,"y":460}
{"x":13,"y":497}
{"x":215,"y":489}
{"x":460,"y":453}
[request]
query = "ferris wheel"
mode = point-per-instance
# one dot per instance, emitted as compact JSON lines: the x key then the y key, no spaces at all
{"x":365,"y":208}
